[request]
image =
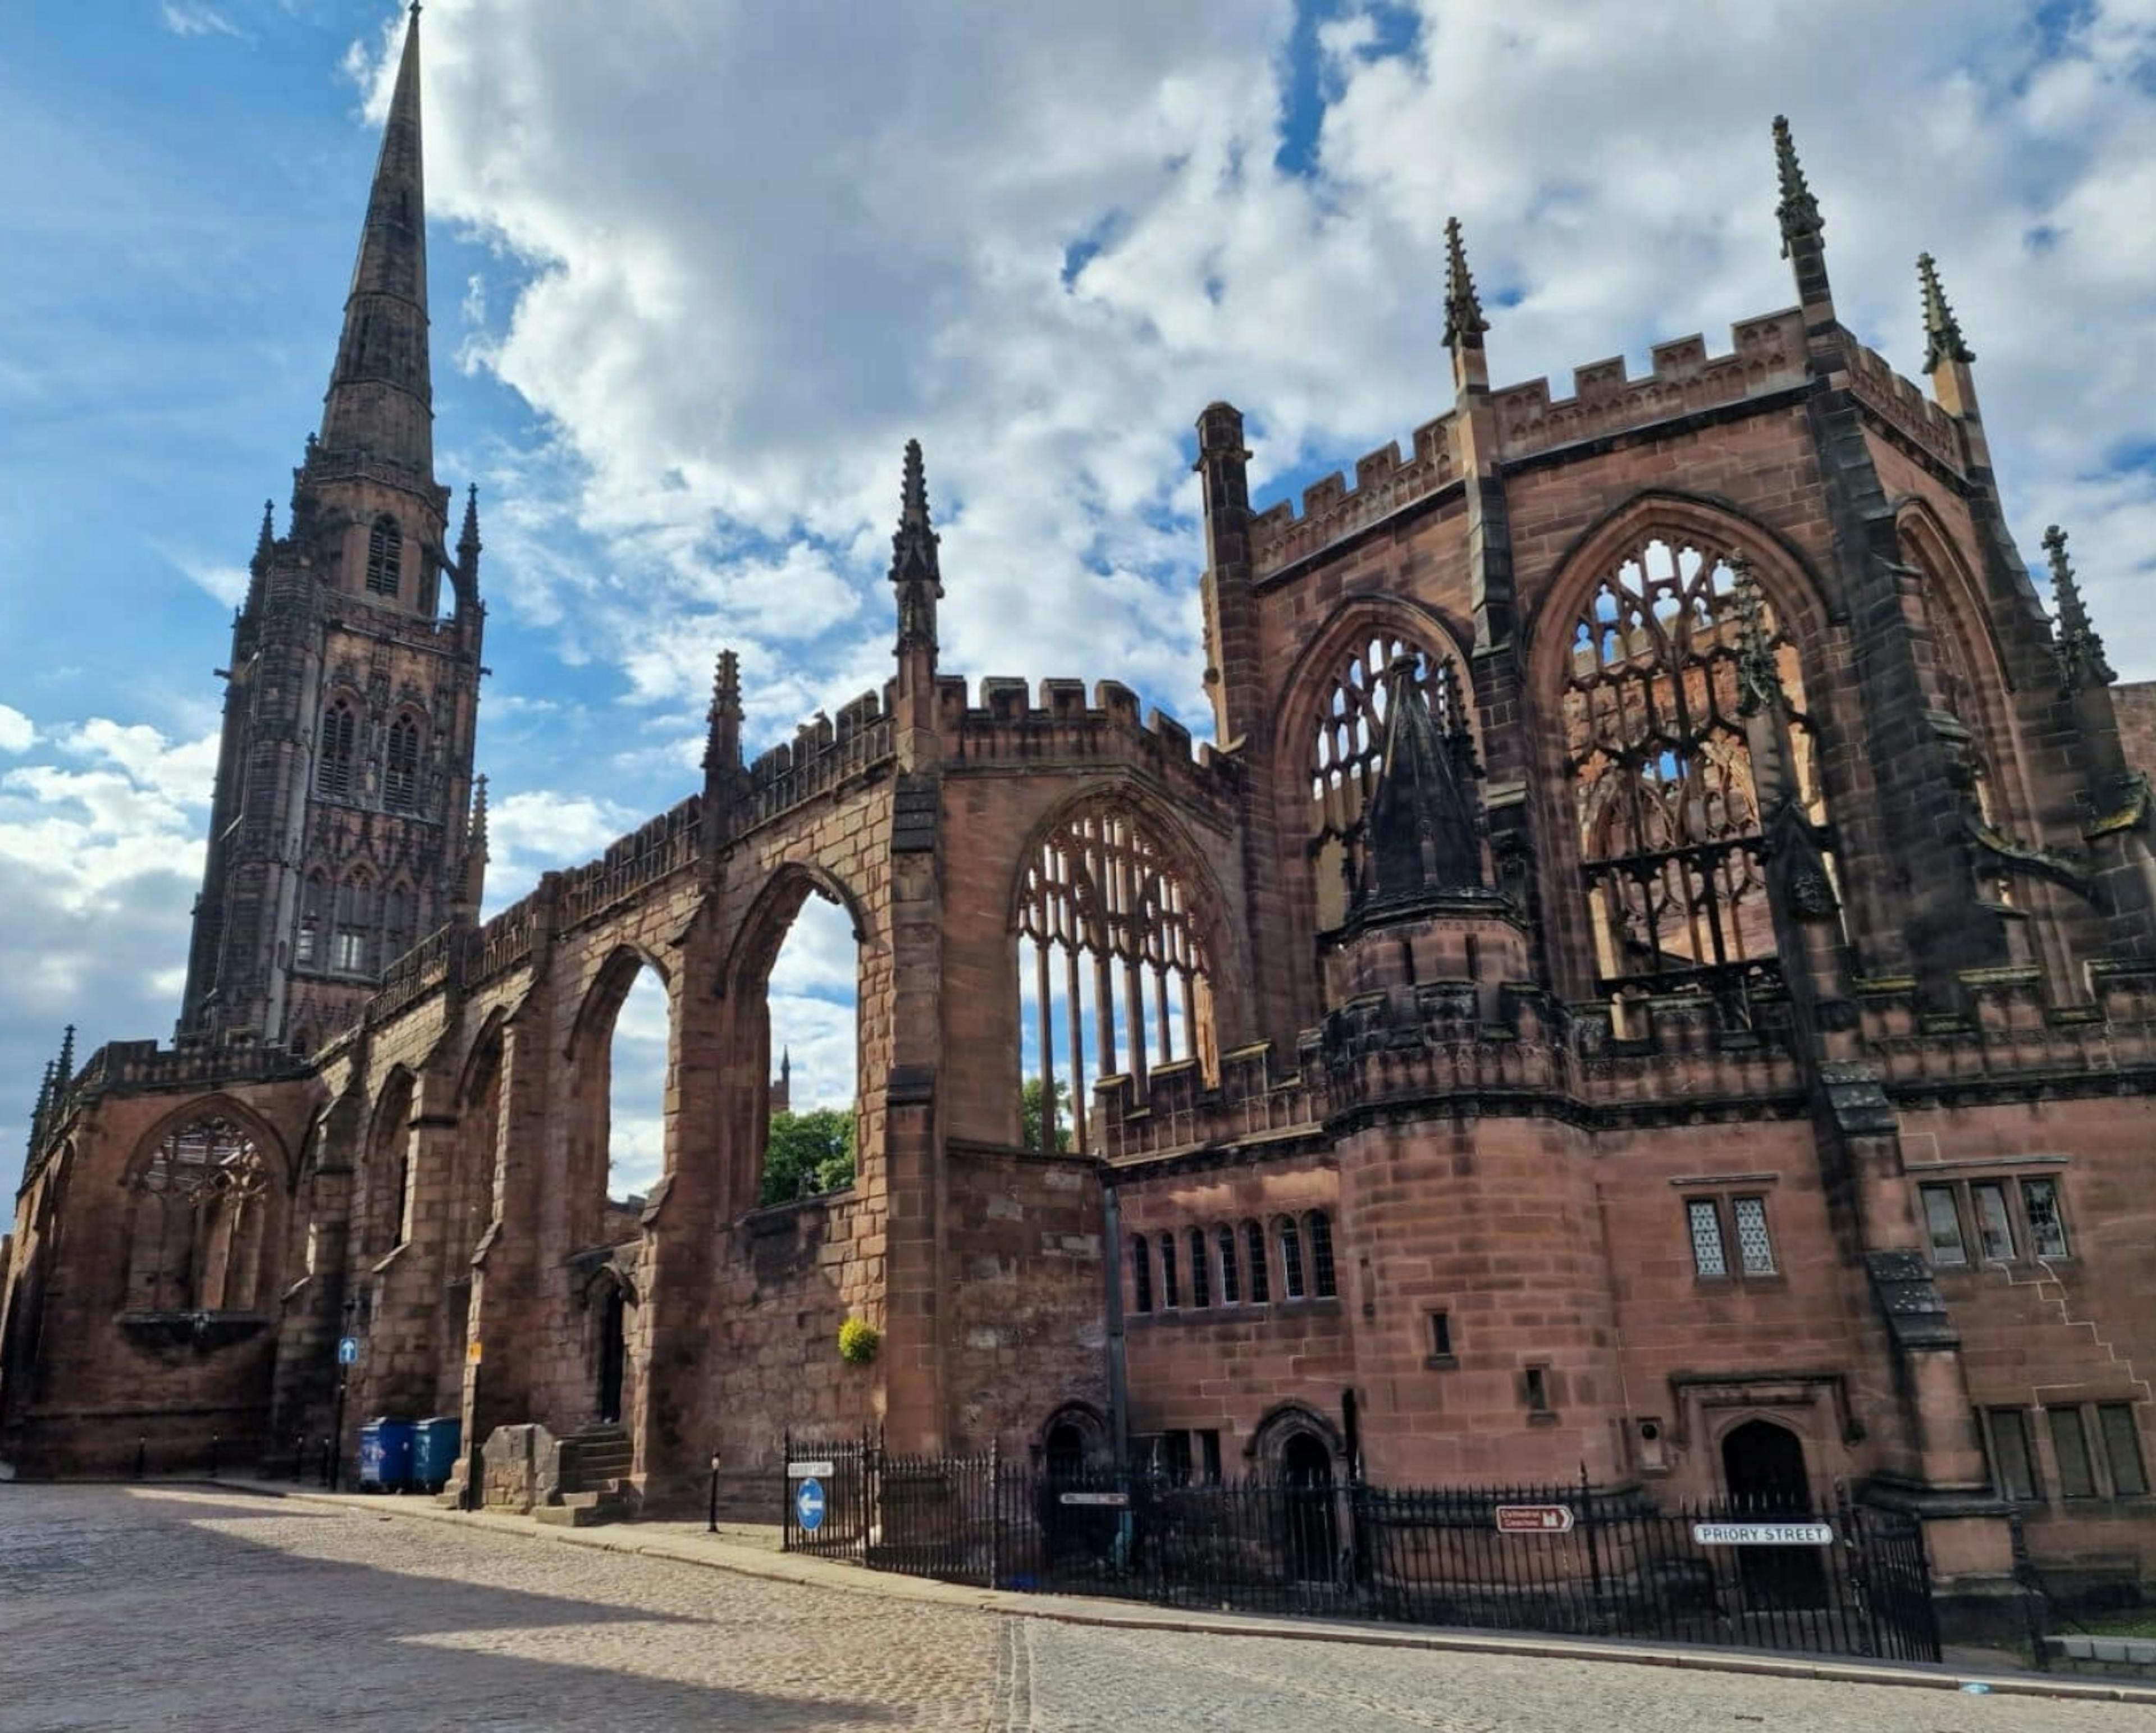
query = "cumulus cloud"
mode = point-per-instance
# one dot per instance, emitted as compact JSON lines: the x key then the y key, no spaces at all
{"x":732,"y":312}
{"x":100,"y":854}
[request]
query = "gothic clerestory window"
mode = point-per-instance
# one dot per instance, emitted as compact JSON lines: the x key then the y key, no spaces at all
{"x":400,"y":770}
{"x":1662,"y":775}
{"x":1347,"y":750}
{"x":1111,"y":964}
{"x":385,"y":557}
{"x":333,"y":765}
{"x":196,"y":1236}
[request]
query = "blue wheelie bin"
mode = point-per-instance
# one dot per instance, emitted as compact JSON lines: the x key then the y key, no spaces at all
{"x":434,"y":1444}
{"x":385,"y":1455}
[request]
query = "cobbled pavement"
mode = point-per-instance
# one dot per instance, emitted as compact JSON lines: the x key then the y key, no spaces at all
{"x":136,"y":1608}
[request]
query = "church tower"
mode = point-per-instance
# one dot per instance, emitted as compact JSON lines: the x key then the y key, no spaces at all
{"x":338,"y":826}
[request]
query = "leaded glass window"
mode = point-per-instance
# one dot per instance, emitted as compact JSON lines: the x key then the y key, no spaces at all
{"x":1318,"y":1226}
{"x":1755,"y":1252}
{"x":1708,"y":1256}
{"x":1201,"y":1285}
{"x":1943,"y":1225}
{"x":1291,"y":1246}
{"x":2070,"y":1450}
{"x":2121,"y":1447}
{"x":1140,"y":1275}
{"x":2047,"y":1228}
{"x":1995,"y":1226}
{"x":1231,"y":1291}
{"x":1170,"y":1294}
{"x":400,"y":770}
{"x":1261,"y":1290}
{"x":1668,"y":816}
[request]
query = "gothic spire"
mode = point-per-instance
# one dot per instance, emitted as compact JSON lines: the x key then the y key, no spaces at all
{"x":469,"y":544}
{"x":722,"y":736}
{"x":1463,"y":323}
{"x":1421,"y":833}
{"x":1942,"y":338}
{"x":914,"y":567}
{"x":265,"y":544}
{"x":39,"y":1113}
{"x":381,"y":394}
{"x":2079,"y":650}
{"x":1799,"y":211}
{"x":472,"y":892}
{"x":64,"y":1067}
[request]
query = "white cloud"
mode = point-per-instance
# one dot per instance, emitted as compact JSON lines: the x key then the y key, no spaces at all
{"x":227,"y":582}
{"x":189,"y":17}
{"x":536,"y":830}
{"x":17,"y":733}
{"x":733,"y":311}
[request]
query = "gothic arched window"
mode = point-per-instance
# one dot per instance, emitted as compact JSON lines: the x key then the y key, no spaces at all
{"x":1317,"y":1230}
{"x":333,"y":767}
{"x":400,"y":770}
{"x":314,"y":910}
{"x":352,"y":948}
{"x":1101,"y":890}
{"x":385,"y":557}
{"x":1261,"y":1266}
{"x":1661,"y":774}
{"x":197,"y":1239}
{"x":1347,"y":750}
{"x":1231,"y":1288}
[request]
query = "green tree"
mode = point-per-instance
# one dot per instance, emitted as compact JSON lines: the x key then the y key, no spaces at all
{"x":1029,"y":1114}
{"x":806,"y":1153}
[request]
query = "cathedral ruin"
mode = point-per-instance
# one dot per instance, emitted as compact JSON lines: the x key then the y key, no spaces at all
{"x":1653,"y":981}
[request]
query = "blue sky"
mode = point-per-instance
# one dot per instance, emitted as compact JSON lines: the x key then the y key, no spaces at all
{"x":698,"y":272}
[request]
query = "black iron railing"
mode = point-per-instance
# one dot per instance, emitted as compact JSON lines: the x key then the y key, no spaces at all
{"x":1827,"y":1576}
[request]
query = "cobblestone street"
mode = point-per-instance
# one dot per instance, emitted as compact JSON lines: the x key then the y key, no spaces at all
{"x":172,"y":1607}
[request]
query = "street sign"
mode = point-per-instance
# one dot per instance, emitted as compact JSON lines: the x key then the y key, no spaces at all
{"x":808,"y":1504}
{"x":472,"y":1353}
{"x":1115,"y":1501}
{"x":1763,"y":1534}
{"x":1534,"y":1518}
{"x":810,"y":1470}
{"x":347,"y":1350}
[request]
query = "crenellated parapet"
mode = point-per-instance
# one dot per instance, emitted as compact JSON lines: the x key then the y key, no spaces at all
{"x":652,"y":852}
{"x":1766,"y":357}
{"x":825,"y":752}
{"x":1432,"y":1046}
{"x":2011,"y":1035}
{"x":127,"y":1067}
{"x":1010,"y":729}
{"x":1902,"y":405}
{"x":1332,"y":511}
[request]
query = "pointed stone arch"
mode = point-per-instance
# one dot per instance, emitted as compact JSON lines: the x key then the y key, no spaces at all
{"x":1650,"y":867}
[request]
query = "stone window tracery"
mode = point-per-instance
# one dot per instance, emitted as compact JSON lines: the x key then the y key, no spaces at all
{"x":1254,"y":1237}
{"x":198,"y":1208}
{"x":400,"y":769}
{"x":314,"y":910}
{"x":333,"y":767}
{"x":1669,"y":819}
{"x":385,"y":557}
{"x":352,"y":943}
{"x":1111,"y":958}
{"x":1348,"y":750}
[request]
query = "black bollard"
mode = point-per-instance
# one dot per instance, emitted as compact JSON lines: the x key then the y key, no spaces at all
{"x":141,"y":1458}
{"x":214,"y":1442}
{"x":711,"y":1526}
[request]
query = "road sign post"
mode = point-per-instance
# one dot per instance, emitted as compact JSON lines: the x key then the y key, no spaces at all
{"x":1534,"y":1518}
{"x":809,"y":1506}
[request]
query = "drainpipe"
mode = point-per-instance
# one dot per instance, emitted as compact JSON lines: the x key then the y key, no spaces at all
{"x":1112,"y":1267}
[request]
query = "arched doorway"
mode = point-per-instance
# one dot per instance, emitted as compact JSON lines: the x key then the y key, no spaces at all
{"x":614,"y":1353}
{"x":1313,"y":1546}
{"x":1062,"y":1452}
{"x":1763,"y":1465}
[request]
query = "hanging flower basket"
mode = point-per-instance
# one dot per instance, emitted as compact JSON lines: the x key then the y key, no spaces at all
{"x":858,"y":1341}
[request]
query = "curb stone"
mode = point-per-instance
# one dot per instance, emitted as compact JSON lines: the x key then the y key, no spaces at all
{"x":852,"y":1579}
